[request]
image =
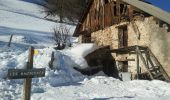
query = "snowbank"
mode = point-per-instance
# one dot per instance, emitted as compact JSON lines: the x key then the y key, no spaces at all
{"x":64,"y":83}
{"x":78,"y":52}
{"x":106,"y":88}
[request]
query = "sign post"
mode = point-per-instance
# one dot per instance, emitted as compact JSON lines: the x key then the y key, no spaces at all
{"x":27,"y":74}
{"x":28,"y":81}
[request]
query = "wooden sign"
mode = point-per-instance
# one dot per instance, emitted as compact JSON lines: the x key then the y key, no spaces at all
{"x":25,"y":73}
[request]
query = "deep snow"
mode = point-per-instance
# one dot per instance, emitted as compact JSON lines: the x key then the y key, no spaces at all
{"x":26,"y":22}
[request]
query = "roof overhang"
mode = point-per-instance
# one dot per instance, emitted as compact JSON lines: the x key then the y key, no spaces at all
{"x":150,"y":9}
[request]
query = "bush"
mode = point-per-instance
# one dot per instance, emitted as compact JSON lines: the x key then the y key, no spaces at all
{"x":62,"y":37}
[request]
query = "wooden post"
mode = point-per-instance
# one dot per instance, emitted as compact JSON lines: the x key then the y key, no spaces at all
{"x":137,"y":62}
{"x":28,"y":81}
{"x":52,"y":60}
{"x":9,"y":43}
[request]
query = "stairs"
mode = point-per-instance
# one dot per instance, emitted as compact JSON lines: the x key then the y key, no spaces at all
{"x":153,"y":66}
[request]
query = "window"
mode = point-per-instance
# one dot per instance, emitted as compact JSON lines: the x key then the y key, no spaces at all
{"x":106,"y":1}
{"x":115,"y":10}
{"x":123,"y":36}
{"x":123,"y":66}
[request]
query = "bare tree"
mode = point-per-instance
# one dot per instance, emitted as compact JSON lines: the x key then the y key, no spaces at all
{"x":70,"y":9}
{"x":62,"y":37}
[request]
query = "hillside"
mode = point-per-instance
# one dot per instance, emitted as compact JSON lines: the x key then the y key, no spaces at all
{"x":26,"y":22}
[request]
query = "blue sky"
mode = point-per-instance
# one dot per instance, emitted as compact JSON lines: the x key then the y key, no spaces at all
{"x":163,"y":4}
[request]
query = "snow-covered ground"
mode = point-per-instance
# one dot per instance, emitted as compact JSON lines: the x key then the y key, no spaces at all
{"x":25,"y":21}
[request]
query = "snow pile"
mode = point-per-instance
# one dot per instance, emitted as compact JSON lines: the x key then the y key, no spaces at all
{"x":84,"y":49}
{"x":65,"y":61}
{"x":62,"y":73}
{"x":107,"y":88}
{"x":78,"y":52}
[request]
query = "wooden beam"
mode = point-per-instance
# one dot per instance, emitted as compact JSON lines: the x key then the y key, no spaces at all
{"x":137,"y":63}
{"x":126,"y":60}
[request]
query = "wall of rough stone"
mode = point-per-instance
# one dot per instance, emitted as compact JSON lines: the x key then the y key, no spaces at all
{"x":151,"y":35}
{"x":160,"y":43}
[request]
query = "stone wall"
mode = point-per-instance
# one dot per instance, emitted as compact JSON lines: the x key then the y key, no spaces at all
{"x":151,"y":35}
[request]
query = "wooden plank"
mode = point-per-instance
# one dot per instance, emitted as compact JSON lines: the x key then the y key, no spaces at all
{"x":149,"y":59}
{"x":118,"y":9}
{"x":25,"y":73}
{"x":103,"y":17}
{"x":128,"y":49}
{"x":125,"y":60}
{"x":108,"y":14}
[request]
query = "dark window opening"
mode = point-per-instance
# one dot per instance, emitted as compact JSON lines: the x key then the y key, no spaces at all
{"x":123,"y":66}
{"x":95,"y":14}
{"x":121,"y":8}
{"x":139,"y":13}
{"x":123,"y":36}
{"x":115,"y":11}
{"x":106,"y":1}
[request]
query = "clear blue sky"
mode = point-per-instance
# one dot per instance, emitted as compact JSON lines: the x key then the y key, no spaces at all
{"x":163,"y":4}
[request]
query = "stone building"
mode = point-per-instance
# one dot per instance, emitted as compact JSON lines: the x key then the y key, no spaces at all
{"x":137,"y":32}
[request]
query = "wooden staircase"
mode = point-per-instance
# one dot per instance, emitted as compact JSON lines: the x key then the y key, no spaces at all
{"x":153,"y":66}
{"x":151,"y":63}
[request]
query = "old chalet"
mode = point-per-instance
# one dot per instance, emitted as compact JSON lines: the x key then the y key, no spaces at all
{"x":137,"y":33}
